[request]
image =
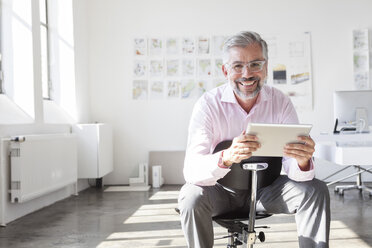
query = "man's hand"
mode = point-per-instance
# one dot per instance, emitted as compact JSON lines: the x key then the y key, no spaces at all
{"x":301,"y":152}
{"x":240,"y":149}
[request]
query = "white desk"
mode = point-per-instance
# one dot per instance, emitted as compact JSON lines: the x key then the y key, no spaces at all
{"x":347,"y":150}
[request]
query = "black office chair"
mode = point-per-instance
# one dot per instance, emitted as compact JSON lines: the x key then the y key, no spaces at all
{"x":253,"y":173}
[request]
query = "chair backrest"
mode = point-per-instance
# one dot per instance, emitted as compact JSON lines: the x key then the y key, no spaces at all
{"x":240,"y":179}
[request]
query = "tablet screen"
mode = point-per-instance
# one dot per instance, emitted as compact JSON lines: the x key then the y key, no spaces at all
{"x":273,"y":137}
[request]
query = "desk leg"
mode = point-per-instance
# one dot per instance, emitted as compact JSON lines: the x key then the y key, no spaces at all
{"x":359,"y":177}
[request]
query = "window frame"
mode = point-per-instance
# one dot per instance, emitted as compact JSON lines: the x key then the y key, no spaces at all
{"x":46,"y":26}
{"x":1,"y":53}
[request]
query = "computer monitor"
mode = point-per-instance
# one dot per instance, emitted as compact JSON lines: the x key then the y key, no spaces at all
{"x":351,"y":106}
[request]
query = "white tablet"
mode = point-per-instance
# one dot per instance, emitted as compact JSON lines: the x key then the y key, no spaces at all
{"x":273,"y":137}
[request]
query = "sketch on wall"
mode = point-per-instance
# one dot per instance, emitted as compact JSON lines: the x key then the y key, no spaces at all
{"x":186,"y":67}
{"x":289,"y":67}
{"x":361,"y":59}
{"x":176,"y":67}
{"x":140,"y":46}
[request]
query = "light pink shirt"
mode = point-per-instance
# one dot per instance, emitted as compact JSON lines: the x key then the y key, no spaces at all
{"x":217,"y":116}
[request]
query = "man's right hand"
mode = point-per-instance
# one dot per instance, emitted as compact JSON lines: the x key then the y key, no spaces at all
{"x":240,"y":149}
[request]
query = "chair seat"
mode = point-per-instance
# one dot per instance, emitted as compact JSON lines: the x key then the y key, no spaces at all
{"x":239,"y":216}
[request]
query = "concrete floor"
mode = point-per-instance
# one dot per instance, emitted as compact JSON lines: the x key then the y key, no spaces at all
{"x":147,"y":219}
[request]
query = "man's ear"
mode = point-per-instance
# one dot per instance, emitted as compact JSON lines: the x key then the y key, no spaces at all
{"x":224,"y":70}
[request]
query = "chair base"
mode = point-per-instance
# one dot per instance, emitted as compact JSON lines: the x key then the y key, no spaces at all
{"x":247,"y":239}
{"x":341,"y":188}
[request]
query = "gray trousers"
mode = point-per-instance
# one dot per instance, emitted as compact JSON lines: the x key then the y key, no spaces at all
{"x":309,"y":201}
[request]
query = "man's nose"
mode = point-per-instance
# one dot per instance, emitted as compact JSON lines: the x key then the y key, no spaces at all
{"x":246,"y":72}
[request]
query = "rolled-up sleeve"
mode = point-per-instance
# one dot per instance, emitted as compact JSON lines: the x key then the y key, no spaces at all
{"x":201,"y":167}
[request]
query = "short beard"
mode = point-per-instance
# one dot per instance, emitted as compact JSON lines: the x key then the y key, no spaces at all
{"x":252,"y":95}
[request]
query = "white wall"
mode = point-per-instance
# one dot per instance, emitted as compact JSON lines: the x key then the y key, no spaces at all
{"x":141,"y":126}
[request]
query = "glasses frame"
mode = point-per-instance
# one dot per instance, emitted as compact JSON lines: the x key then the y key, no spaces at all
{"x":247,"y":66}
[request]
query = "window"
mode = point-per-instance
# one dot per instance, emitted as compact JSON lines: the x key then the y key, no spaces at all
{"x":1,"y":70}
{"x":44,"y":37}
{"x":1,"y":73}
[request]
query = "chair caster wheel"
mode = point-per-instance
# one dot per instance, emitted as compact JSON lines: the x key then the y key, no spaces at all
{"x":261,"y":237}
{"x":237,"y":242}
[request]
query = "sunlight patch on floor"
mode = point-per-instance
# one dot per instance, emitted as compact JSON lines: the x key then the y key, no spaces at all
{"x":158,"y":206}
{"x":152,"y":218}
{"x":165,"y":195}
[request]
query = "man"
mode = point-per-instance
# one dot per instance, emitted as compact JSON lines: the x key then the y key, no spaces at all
{"x":223,"y":114}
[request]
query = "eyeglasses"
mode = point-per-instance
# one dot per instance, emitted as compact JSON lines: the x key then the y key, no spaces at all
{"x":253,"y":66}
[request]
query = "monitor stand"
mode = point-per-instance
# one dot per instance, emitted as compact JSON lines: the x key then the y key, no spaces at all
{"x":361,"y":119}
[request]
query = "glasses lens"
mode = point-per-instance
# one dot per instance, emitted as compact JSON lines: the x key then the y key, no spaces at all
{"x":238,"y":68}
{"x":255,"y":66}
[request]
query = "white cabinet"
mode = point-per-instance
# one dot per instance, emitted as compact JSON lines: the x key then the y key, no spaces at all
{"x":95,"y":149}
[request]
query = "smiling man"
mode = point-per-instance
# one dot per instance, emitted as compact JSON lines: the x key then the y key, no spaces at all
{"x":223,"y":114}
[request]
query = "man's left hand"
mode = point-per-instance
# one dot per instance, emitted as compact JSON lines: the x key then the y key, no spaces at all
{"x":302,"y":152}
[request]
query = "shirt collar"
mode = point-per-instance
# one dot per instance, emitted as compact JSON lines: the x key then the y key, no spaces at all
{"x":228,"y":94}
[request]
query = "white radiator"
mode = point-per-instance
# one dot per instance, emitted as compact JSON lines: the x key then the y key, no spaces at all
{"x":41,"y":164}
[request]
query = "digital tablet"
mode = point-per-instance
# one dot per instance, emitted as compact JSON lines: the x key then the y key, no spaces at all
{"x":273,"y":137}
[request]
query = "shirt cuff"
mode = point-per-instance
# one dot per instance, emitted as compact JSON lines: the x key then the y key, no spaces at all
{"x":220,"y":162}
{"x":295,"y":173}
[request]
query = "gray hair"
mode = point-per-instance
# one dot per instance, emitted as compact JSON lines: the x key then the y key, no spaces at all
{"x":243,"y":39}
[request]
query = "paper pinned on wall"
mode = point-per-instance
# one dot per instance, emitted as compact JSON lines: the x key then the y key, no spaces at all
{"x":203,"y":45}
{"x":173,"y":67}
{"x":156,"y":90}
{"x":361,"y":80}
{"x":140,"y":89}
{"x":360,"y":39}
{"x":188,"y":89}
{"x":155,"y":47}
{"x":361,"y":60}
{"x":204,"y":67}
{"x":156,"y":68}
{"x":188,"y":46}
{"x":188,"y":67}
{"x":139,"y":68}
{"x":173,"y":89}
{"x":172,"y":46}
{"x":218,"y":68}
{"x":140,"y":46}
{"x":202,"y":86}
{"x":218,"y":42}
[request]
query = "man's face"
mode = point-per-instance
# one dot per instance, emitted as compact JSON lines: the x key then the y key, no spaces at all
{"x":248,"y":82}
